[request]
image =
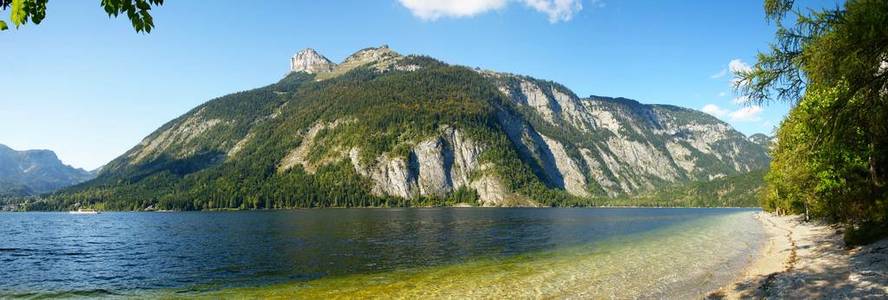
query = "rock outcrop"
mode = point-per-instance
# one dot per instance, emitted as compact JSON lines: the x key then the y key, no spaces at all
{"x":433,"y":167}
{"x":626,"y":147}
{"x":761,"y":139}
{"x":309,"y":61}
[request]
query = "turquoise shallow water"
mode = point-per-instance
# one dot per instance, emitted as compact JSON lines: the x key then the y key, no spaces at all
{"x":441,"y":252}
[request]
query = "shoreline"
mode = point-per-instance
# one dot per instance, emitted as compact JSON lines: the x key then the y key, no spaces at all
{"x":393,"y":207}
{"x":809,"y":260}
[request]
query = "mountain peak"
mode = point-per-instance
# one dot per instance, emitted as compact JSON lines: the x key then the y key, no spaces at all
{"x":30,"y":172}
{"x":372,"y":54}
{"x":761,"y":139}
{"x":310,"y":61}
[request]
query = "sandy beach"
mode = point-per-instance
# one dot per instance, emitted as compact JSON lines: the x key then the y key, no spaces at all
{"x":805,"y":260}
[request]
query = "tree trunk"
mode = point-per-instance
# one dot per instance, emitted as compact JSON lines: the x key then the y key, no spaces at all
{"x":806,"y":212}
{"x":872,"y":171}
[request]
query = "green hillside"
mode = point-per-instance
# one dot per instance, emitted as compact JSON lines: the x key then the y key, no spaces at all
{"x":411,"y":131}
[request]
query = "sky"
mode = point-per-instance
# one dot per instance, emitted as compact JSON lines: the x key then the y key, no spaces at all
{"x":89,"y":87}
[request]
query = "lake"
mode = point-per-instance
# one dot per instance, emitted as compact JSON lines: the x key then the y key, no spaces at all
{"x":411,"y":252}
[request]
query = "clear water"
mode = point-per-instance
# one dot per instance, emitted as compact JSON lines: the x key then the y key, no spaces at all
{"x":439,"y":252}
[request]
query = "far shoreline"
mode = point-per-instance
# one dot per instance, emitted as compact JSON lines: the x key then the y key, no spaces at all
{"x":397,"y":207}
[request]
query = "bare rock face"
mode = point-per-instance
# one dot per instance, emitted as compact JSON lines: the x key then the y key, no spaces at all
{"x":299,"y":155}
{"x":183,"y":133}
{"x":761,"y":139}
{"x":573,"y":179}
{"x":491,"y":191}
{"x":309,"y":61}
{"x":394,"y":177}
{"x":371,"y":55}
{"x":432,"y":159}
{"x":434,"y":167}
{"x":627,"y":147}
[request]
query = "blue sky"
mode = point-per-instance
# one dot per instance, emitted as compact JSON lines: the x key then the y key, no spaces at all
{"x":88,"y":87}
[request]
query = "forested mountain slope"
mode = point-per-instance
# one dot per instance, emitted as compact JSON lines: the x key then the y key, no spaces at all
{"x":381,"y":128}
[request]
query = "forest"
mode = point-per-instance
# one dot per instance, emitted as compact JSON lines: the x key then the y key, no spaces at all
{"x":830,"y":161}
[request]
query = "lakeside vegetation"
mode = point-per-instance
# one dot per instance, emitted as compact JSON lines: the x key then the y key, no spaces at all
{"x":303,"y":192}
{"x":831,"y":157}
{"x":730,"y":191}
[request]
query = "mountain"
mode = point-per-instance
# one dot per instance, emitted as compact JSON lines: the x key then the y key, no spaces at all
{"x":381,"y":128}
{"x":31,"y":172}
{"x":761,"y":140}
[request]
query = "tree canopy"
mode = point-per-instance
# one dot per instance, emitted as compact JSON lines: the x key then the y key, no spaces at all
{"x":34,"y":11}
{"x":831,"y":159}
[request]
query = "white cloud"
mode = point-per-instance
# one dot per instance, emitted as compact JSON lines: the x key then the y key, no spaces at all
{"x":557,"y":10}
{"x":722,"y":94}
{"x":740,"y":100}
{"x":714,"y":110}
{"x":736,"y":66}
{"x":434,"y":9}
{"x":747,"y":114}
{"x":744,"y":114}
{"x":431,"y":10}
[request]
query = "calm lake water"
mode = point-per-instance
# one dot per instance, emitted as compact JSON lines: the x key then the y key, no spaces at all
{"x":426,"y":252}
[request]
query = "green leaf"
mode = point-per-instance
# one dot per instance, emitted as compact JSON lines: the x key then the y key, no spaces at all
{"x":18,"y":15}
{"x":143,"y":5}
{"x":3,"y":25}
{"x":36,"y":10}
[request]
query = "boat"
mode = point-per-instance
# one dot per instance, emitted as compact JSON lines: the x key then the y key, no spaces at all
{"x":83,"y":211}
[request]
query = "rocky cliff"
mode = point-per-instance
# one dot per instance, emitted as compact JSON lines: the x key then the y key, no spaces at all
{"x":309,"y":61}
{"x":389,"y":126}
{"x":761,"y":140}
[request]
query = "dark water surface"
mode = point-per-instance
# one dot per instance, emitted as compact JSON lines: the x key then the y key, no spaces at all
{"x":125,"y":253}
